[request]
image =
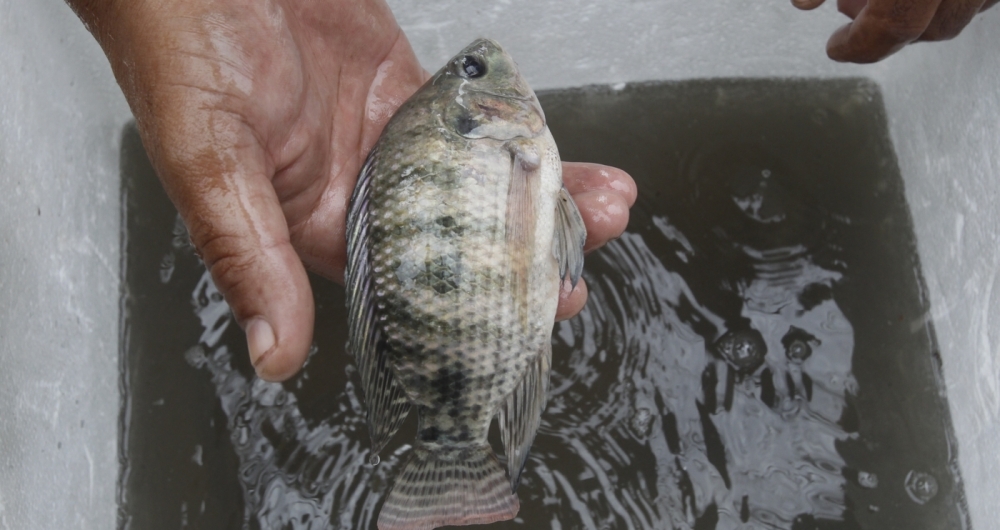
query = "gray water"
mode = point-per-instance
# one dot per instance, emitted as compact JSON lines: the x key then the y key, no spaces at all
{"x":756,"y":351}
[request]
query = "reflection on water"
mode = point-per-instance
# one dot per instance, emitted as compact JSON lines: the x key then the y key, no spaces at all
{"x":729,"y":440}
{"x":748,"y":358}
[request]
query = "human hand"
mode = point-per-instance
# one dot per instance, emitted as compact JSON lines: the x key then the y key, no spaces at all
{"x":257,"y":117}
{"x":880,"y":28}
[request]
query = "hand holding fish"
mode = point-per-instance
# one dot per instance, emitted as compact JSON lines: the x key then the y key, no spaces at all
{"x":880,"y":28}
{"x":258,"y":117}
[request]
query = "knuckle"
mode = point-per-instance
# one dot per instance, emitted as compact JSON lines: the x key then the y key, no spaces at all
{"x":903,"y":30}
{"x":934,"y":35}
{"x":941,"y":31}
{"x":850,"y":8}
{"x":230,"y":271}
{"x":902,"y":24}
{"x":227,"y":257}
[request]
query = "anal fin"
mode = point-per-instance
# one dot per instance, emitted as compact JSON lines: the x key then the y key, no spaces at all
{"x":521,"y":414}
{"x":385,"y":400}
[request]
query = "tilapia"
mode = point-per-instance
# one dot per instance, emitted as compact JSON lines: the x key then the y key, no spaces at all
{"x":460,"y":234}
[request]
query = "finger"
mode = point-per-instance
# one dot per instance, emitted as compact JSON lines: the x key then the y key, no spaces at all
{"x":851,"y":8}
{"x":951,"y":18}
{"x":580,"y":177}
{"x":244,"y":242}
{"x":806,"y":5}
{"x":571,"y":300}
{"x":237,"y":225}
{"x":605,"y":215}
{"x":881,"y":28}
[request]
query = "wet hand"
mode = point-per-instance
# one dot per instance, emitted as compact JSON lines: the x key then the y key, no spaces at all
{"x":257,"y":117}
{"x":882,"y":27}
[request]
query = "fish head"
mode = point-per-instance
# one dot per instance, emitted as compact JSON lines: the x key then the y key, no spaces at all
{"x":485,"y":96}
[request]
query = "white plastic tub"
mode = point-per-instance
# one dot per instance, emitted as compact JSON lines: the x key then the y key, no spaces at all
{"x":61,"y":117}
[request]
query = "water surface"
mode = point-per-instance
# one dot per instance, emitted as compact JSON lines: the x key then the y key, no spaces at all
{"x":756,"y":351}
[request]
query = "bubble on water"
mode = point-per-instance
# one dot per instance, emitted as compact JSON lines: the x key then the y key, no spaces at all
{"x":181,"y":239}
{"x":920,"y":486}
{"x":867,"y":480}
{"x":744,"y":350}
{"x":798,"y":351}
{"x":641,"y":421}
{"x":798,"y":344}
{"x":374,"y":459}
{"x":872,"y":508}
{"x":195,"y":356}
{"x":167,"y":267}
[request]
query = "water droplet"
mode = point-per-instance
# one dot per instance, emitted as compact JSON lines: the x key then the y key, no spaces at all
{"x":867,"y":480}
{"x":920,"y":486}
{"x":374,"y":459}
{"x":766,"y":173}
{"x":872,"y":508}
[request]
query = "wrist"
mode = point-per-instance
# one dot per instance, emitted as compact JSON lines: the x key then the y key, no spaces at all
{"x":118,"y":28}
{"x":101,"y":18}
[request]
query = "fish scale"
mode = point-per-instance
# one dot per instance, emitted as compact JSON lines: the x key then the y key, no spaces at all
{"x":459,"y":235}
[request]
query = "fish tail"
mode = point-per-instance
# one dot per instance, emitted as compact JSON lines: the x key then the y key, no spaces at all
{"x":448,"y":486}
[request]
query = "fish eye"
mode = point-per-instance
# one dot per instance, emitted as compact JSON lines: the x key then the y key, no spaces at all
{"x":471,"y":67}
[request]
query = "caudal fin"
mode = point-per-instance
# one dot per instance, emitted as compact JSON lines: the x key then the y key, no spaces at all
{"x":442,"y":487}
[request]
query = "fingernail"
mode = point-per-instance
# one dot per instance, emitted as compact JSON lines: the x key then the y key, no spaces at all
{"x":260,"y":340}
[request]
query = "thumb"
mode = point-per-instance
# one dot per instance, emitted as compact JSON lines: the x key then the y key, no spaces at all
{"x":237,"y":224}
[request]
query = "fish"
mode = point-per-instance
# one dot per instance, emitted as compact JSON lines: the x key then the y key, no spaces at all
{"x":460,"y":236}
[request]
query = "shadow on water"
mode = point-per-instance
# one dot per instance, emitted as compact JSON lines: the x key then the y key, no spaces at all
{"x":756,"y":352}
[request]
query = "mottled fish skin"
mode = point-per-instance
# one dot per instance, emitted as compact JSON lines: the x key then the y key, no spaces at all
{"x":453,"y":282}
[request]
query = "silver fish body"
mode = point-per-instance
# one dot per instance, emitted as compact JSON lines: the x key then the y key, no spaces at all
{"x":459,"y":236}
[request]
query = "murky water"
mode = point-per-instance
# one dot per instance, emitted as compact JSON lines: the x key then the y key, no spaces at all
{"x":756,"y":352}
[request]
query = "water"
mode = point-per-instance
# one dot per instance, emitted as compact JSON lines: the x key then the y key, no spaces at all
{"x":756,"y":352}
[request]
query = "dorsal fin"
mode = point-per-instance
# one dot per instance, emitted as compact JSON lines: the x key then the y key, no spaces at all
{"x":385,"y":400}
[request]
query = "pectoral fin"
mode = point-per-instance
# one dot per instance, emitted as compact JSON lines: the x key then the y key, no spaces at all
{"x":520,"y":223}
{"x":385,"y":400}
{"x":521,"y":414}
{"x":571,"y":234}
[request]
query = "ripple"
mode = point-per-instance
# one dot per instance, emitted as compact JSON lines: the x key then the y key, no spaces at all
{"x":708,"y":384}
{"x":664,"y":410}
